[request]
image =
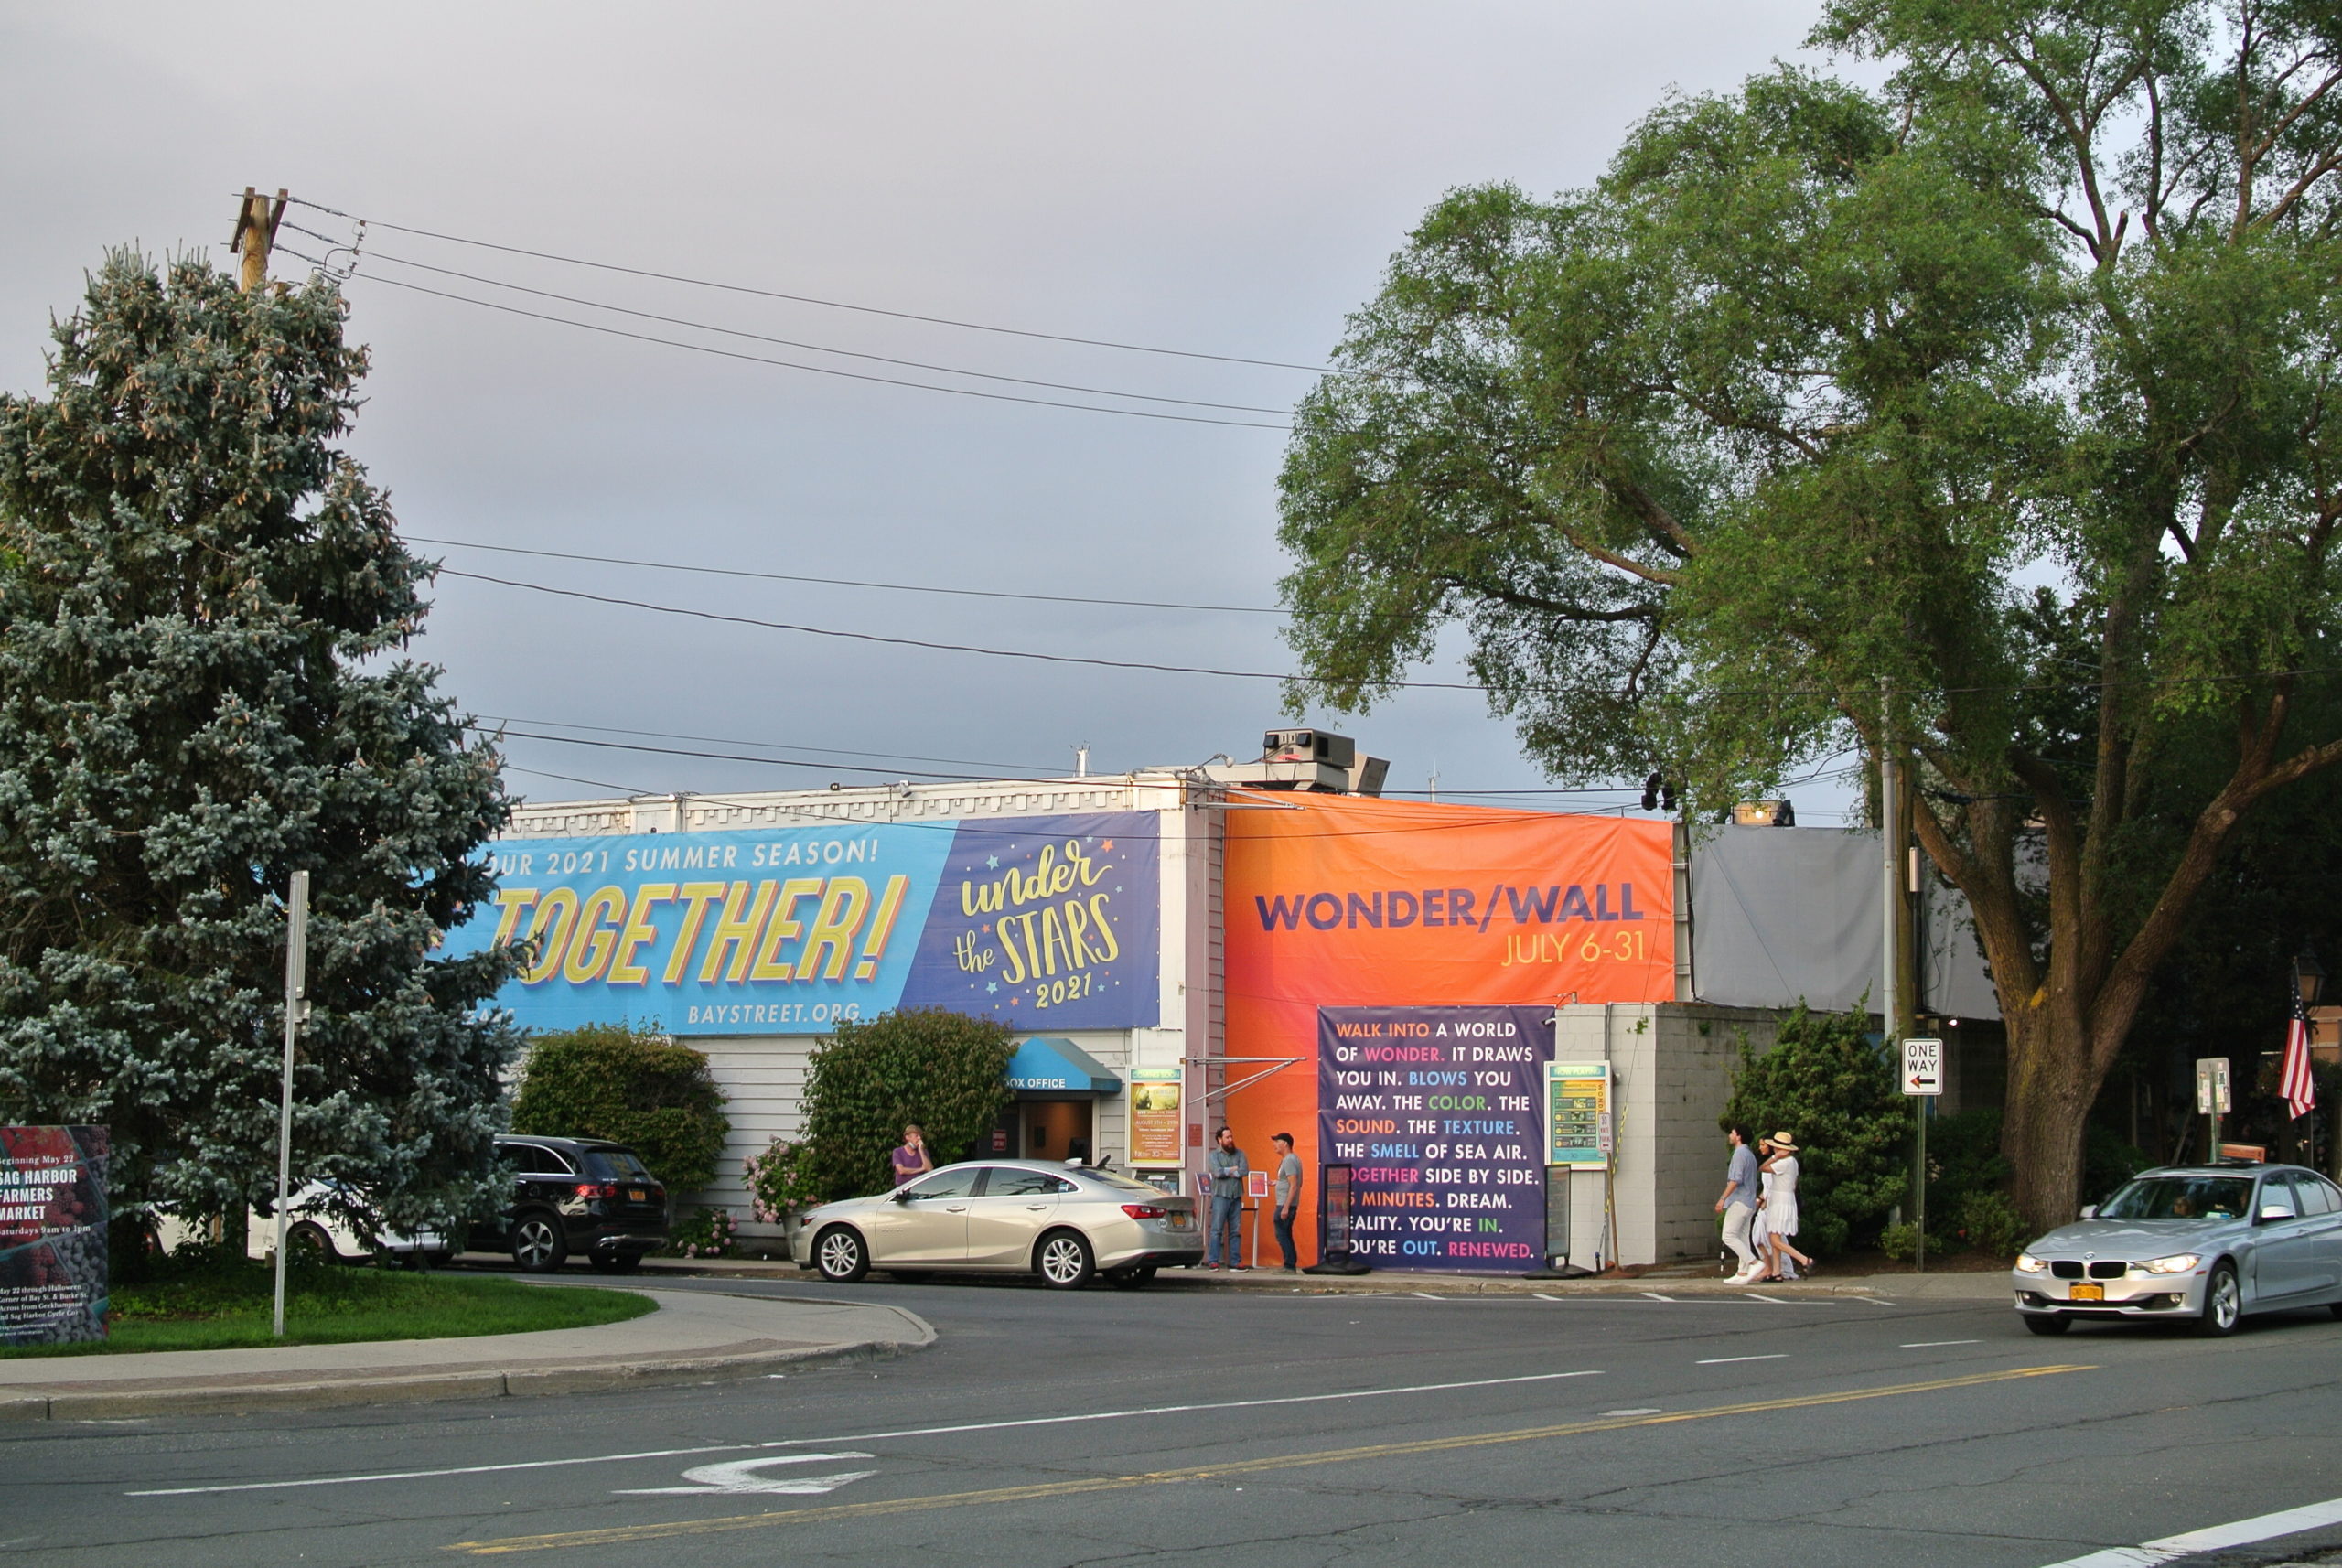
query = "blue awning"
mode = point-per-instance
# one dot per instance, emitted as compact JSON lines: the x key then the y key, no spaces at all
{"x":1060,"y":1065}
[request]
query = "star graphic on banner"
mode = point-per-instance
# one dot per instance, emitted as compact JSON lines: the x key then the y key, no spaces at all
{"x":991,"y":987}
{"x":1108,"y":847}
{"x":992,"y":863}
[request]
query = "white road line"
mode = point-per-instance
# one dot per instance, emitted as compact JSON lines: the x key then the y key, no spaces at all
{"x":1543,"y":1296}
{"x":1874,"y":1300}
{"x":1777,"y":1300}
{"x":1931,"y":1344}
{"x":873,"y":1437}
{"x":453,"y":1470}
{"x":1426,"y":1295}
{"x":1656,"y":1296}
{"x":1720,"y":1361}
{"x":2216,"y":1538}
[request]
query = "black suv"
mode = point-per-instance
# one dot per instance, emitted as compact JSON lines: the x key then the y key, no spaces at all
{"x":579,"y":1196}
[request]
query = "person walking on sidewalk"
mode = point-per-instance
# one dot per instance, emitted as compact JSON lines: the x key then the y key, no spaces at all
{"x":1288,"y":1199}
{"x":1780,"y":1209}
{"x":1738,"y":1203}
{"x":1226,"y":1167}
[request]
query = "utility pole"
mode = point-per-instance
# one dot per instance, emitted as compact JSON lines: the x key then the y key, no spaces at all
{"x":256,"y":221}
{"x":1890,"y":819}
{"x":296,"y":1012}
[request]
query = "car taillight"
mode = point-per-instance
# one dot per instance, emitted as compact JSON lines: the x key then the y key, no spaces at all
{"x":1145,"y":1211}
{"x":597,"y":1189}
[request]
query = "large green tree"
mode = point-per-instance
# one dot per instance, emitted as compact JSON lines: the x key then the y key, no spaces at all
{"x":2000,"y":388}
{"x":202,"y":605}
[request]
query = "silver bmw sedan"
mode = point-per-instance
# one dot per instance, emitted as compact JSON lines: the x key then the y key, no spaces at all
{"x":2201,"y":1244}
{"x":1070,"y":1224}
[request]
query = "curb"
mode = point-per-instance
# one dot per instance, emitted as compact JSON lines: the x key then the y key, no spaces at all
{"x":326,"y":1393}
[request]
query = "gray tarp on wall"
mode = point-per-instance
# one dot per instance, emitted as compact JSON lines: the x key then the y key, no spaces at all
{"x":1783,"y":915}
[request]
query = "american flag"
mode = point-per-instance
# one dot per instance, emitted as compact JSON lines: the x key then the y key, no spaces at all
{"x":2293,"y":1082}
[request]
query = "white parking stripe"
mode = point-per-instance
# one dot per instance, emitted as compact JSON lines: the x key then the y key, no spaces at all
{"x":1721,"y":1360}
{"x":1656,"y":1296}
{"x":874,"y":1436}
{"x":1931,"y":1344}
{"x":2216,"y":1537}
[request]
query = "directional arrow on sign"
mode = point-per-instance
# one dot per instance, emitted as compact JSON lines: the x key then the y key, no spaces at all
{"x":734,"y":1477}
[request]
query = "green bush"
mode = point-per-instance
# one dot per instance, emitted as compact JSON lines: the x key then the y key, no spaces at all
{"x":1900,"y":1242}
{"x":1827,"y":1086}
{"x":704,"y":1233}
{"x":631,"y":1085}
{"x":945,"y":1070}
{"x":1990,"y":1223}
{"x":776,"y":1182}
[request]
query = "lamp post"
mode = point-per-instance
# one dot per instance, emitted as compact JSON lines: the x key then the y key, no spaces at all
{"x":2309,"y":983}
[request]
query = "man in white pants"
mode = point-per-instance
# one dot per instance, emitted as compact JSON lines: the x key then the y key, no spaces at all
{"x":1738,"y":1204}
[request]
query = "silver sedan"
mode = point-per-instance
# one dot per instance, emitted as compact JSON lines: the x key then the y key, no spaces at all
{"x":1067,"y":1223}
{"x":2201,"y":1244}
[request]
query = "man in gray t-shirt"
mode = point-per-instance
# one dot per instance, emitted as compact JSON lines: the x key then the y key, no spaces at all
{"x":1738,"y":1202}
{"x":1288,"y":1198}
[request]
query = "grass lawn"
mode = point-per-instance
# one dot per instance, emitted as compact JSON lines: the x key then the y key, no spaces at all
{"x":225,"y":1306}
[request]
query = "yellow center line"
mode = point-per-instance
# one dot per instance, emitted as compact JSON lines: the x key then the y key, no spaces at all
{"x":576,"y":1538}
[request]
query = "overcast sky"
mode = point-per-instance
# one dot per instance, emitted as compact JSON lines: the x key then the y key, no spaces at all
{"x":1228,"y":179}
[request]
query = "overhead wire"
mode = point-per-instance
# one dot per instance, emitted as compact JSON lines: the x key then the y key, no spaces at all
{"x":1033,"y":769}
{"x":378,"y":255}
{"x":795,"y":364}
{"x":839,"y":581}
{"x":504,"y":732}
{"x":826,"y":304}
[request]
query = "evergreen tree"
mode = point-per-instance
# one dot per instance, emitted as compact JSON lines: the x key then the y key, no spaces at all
{"x":202,"y":605}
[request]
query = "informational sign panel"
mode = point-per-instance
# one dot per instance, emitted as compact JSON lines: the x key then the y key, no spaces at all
{"x":1577,"y":1113}
{"x":2212,"y":1086}
{"x":1043,"y":922}
{"x":1923,"y":1066}
{"x":1437,"y":1110}
{"x":52,"y":1234}
{"x":1155,"y":1119}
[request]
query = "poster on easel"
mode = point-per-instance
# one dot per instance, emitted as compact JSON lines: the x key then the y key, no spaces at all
{"x":53,"y":1288}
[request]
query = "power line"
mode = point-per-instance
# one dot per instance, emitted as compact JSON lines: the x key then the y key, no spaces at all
{"x":793,"y":342}
{"x":504,"y":733}
{"x":1031,"y":768}
{"x":921,"y":642}
{"x":841,"y":582}
{"x":573,"y":778}
{"x":826,"y":304}
{"x":794,"y":364}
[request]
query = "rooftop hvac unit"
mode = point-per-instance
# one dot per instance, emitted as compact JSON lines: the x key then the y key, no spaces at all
{"x":1336,"y":751}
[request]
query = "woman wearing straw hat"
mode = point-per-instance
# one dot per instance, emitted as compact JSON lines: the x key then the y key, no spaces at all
{"x":1778,"y":1208}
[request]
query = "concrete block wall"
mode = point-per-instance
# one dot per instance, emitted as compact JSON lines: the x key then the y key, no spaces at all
{"x":1672,"y":1064}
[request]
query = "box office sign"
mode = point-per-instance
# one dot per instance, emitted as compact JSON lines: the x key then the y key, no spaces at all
{"x":1039,"y":921}
{"x":52,"y":1234}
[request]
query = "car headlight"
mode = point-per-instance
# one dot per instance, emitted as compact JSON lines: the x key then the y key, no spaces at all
{"x":2026,"y":1263}
{"x":2177,"y":1263}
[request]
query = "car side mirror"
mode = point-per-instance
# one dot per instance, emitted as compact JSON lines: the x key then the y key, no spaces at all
{"x":2271,"y":1211}
{"x":2089,"y":1211}
{"x":898,"y":1196}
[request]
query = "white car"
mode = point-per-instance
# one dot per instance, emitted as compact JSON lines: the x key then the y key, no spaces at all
{"x":317,"y":1224}
{"x":1067,"y":1223}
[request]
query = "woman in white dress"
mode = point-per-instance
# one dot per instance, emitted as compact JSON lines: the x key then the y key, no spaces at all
{"x":1760,"y":1232}
{"x":1777,"y":1208}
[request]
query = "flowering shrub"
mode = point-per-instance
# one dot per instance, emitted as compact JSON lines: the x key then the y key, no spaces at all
{"x":776,"y":1182}
{"x":709,"y":1233}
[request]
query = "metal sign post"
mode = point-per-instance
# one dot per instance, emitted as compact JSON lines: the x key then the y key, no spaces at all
{"x":2212,"y":1098}
{"x":1922,"y":1078}
{"x":297,"y":1010}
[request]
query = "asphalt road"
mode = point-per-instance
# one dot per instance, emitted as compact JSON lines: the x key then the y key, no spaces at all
{"x":1194,"y":1427}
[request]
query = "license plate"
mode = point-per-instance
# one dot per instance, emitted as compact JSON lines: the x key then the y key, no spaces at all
{"x":2085,"y":1293}
{"x":1178,"y":1222}
{"x":636,"y":1195}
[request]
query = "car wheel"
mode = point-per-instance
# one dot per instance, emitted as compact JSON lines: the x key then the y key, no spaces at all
{"x":538,"y":1245}
{"x":616,"y":1262}
{"x":2223,"y":1302}
{"x":1065,"y":1261}
{"x":313,"y":1241}
{"x":2048,"y":1324}
{"x":839,"y":1253}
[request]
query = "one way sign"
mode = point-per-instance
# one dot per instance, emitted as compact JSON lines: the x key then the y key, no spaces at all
{"x":1923,"y":1066}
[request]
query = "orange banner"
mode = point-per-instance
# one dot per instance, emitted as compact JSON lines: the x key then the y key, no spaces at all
{"x":1355,"y":902}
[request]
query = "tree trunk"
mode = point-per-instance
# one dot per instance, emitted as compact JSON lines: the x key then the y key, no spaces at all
{"x":2051,"y":1089}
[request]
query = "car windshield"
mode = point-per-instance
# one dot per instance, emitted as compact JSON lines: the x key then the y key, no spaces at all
{"x":616,"y":1164}
{"x":2180,"y":1198}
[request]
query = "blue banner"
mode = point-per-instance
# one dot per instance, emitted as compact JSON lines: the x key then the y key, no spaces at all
{"x":1436,"y":1111}
{"x":1042,"y":922}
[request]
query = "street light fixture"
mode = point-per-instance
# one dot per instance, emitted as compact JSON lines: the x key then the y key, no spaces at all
{"x":2309,"y":977}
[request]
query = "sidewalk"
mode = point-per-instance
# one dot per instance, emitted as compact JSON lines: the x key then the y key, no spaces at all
{"x":694,"y":1335}
{"x":1961,"y":1286}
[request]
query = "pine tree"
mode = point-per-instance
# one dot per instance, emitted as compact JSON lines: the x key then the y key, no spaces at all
{"x":203,"y":605}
